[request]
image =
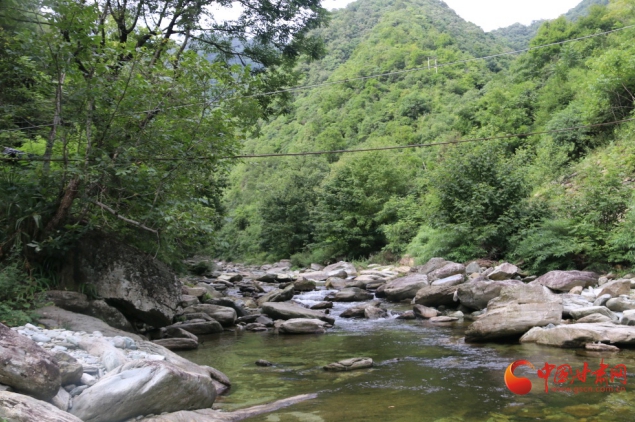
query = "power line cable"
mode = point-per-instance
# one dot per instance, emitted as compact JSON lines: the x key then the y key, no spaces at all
{"x":344,"y":151}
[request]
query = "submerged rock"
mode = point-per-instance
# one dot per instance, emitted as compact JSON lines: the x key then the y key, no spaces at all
{"x":349,"y":364}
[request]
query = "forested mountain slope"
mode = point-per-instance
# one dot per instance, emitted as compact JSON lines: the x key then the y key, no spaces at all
{"x":554,"y":200}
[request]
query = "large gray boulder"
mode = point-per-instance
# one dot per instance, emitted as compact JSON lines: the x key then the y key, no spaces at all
{"x":18,"y":408}
{"x":564,"y":281}
{"x":405,"y":287}
{"x":277,"y":310}
{"x":27,"y":367}
{"x":515,"y":311}
{"x":225,"y":315}
{"x":140,"y":286}
{"x":435,"y":296}
{"x":353,"y":294}
{"x":476,"y":294}
{"x":302,"y":326}
{"x":448,"y":270}
{"x":577,"y":335}
{"x":141,"y":388}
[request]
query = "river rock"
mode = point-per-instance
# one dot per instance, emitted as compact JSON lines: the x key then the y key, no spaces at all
{"x":374,"y":312}
{"x":407,"y":315}
{"x":435,"y":296}
{"x":78,"y":302}
{"x":572,"y":302}
{"x":516,"y":310}
{"x":601,"y":347}
{"x":226,"y":316}
{"x":442,"y":319}
{"x":620,"y":304}
{"x":628,"y":318}
{"x":322,"y":305}
{"x":405,"y":287}
{"x":316,"y":275}
{"x":602,"y":299}
{"x":448,"y":270}
{"x":187,"y":300}
{"x":353,"y":294}
{"x":141,"y":388}
{"x":476,"y":294}
{"x":134,"y":282}
{"x":19,"y":408}
{"x":432,"y":265}
{"x":177,"y":343}
{"x":473,"y":268}
{"x":602,"y":310}
{"x":453,"y":280}
{"x":27,"y":367}
{"x":176,"y":332}
{"x":70,"y":369}
{"x":563,"y":281}
{"x":341,"y":266}
{"x":578,"y":335}
{"x":349,"y":364}
{"x":304,"y":285}
{"x":336,"y":283}
{"x":302,"y":326}
{"x":616,"y":288}
{"x":359,"y":311}
{"x":194,"y":291}
{"x":424,"y":312}
{"x":235,"y":303}
{"x":199,"y":327}
{"x":593,"y":318}
{"x":504,"y":272}
{"x":62,"y":400}
{"x":209,"y":289}
{"x":277,"y":310}
{"x":278,"y":295}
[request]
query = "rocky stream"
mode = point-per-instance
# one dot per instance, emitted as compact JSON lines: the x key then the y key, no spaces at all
{"x":336,"y":343}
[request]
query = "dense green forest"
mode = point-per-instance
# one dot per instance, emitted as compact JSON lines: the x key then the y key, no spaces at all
{"x":561,"y":199}
{"x":115,"y":117}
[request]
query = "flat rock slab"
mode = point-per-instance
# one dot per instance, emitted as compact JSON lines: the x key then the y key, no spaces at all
{"x":27,"y":367}
{"x":199,"y":327}
{"x":349,"y":365}
{"x":578,"y":335}
{"x":177,"y":343}
{"x":226,"y":316}
{"x":443,"y":319}
{"x":54,"y":317}
{"x":279,"y":310}
{"x":18,"y":408}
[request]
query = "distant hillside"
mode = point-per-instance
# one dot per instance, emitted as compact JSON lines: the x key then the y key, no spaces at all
{"x":517,"y":36}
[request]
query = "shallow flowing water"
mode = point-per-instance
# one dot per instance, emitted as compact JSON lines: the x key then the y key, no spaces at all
{"x":423,"y":372}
